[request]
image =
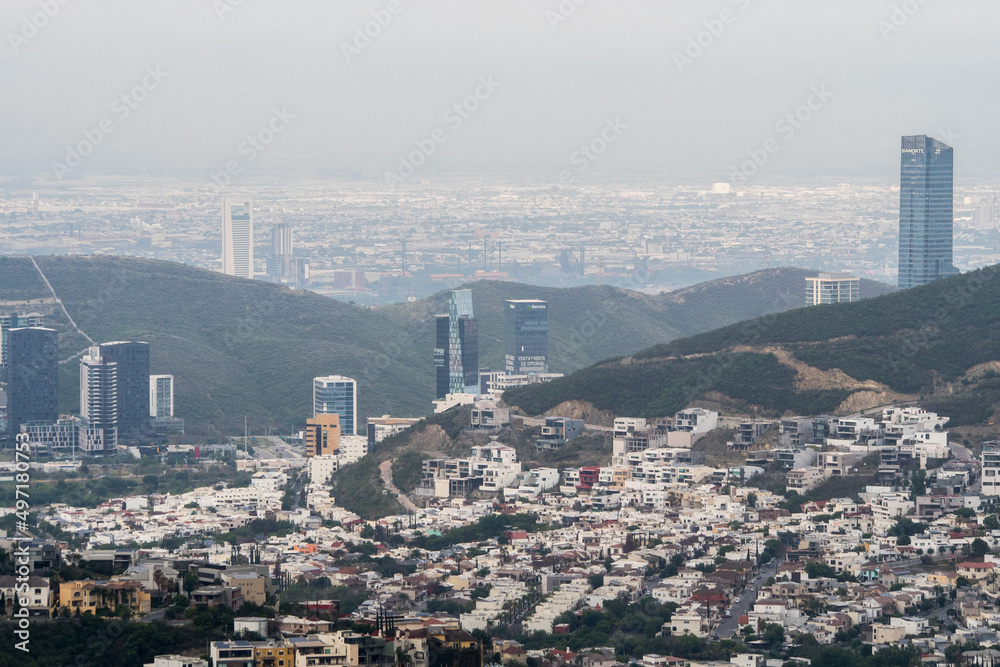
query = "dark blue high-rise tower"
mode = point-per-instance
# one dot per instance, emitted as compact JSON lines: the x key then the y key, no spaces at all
{"x":33,"y":376}
{"x":926,"y":215}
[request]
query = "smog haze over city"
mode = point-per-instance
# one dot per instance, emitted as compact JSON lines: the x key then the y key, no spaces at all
{"x":544,"y":126}
{"x":499,"y":333}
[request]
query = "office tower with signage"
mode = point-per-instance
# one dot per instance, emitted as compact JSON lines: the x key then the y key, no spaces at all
{"x":336,"y":394}
{"x":237,"y":237}
{"x":132,"y":358}
{"x":33,"y":376}
{"x":926,"y":211}
{"x":456,"y":350}
{"x":526,"y":337}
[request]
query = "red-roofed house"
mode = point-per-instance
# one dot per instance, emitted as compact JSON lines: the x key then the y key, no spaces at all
{"x":971,"y":570}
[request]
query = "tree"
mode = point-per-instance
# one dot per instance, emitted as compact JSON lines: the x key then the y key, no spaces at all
{"x":965,"y":513}
{"x":160,"y":580}
{"x":751,"y":499}
{"x":813,"y":606}
{"x":774,"y":635}
{"x":991,"y":522}
{"x":190,"y":582}
{"x":817,"y":570}
{"x":903,"y":541}
{"x":979,"y":547}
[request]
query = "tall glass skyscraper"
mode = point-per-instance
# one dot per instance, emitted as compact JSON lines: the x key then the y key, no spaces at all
{"x":237,"y":237}
{"x":281,"y":252}
{"x":526,"y":337}
{"x":33,"y":376}
{"x":456,"y":350}
{"x":926,"y":215}
{"x":336,"y":394}
{"x":99,"y":394}
{"x":132,"y":380}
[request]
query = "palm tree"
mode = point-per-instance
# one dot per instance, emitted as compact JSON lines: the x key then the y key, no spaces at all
{"x":161,"y":581}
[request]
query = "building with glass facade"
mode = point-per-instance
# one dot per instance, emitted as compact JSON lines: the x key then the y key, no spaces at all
{"x":161,"y":396}
{"x":237,"y":237}
{"x":32,"y":377}
{"x":99,"y":393}
{"x":336,"y":394}
{"x":526,"y":337}
{"x":281,"y":256}
{"x":132,"y":359}
{"x":10,"y":321}
{"x":926,"y":214}
{"x":832,"y":288}
{"x":456,"y":350}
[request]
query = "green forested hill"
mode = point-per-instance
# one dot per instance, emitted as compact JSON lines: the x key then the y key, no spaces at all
{"x":939,"y":344}
{"x":240,"y":347}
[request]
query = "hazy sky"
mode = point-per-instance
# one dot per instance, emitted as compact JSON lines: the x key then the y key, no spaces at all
{"x":562,"y":77}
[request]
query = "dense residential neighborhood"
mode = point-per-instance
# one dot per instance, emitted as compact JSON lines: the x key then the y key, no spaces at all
{"x":870,"y":528}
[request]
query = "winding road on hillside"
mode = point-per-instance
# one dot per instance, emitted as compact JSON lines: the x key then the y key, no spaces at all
{"x":385,"y":468}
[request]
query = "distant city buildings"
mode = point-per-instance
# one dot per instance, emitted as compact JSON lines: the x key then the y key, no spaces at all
{"x":237,"y":237}
{"x":33,"y":376}
{"x":132,"y":376}
{"x":526,"y":337}
{"x":456,"y":352}
{"x":336,"y":394}
{"x":380,"y":428}
{"x":281,"y":253}
{"x":832,"y":288}
{"x":926,"y":214}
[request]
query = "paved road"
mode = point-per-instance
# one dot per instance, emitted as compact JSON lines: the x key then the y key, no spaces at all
{"x":155,"y":615}
{"x":960,"y":452}
{"x":747,"y":600}
{"x":385,"y":468}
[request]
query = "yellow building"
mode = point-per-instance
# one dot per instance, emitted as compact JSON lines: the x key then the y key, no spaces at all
{"x":619,"y":476}
{"x":323,"y":435}
{"x":89,"y":595}
{"x":276,"y":655}
{"x":252,"y":586}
